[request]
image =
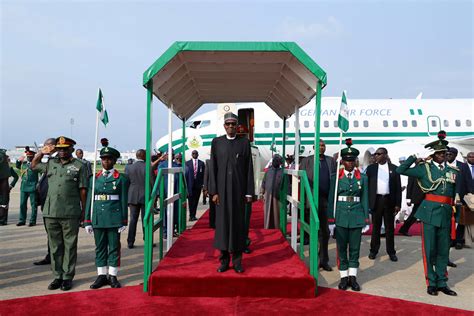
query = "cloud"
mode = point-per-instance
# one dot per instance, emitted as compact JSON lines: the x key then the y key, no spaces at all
{"x":330,"y":28}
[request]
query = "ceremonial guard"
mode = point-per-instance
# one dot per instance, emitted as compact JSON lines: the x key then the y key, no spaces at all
{"x":438,"y":181}
{"x":108,"y":219}
{"x":350,"y":216}
{"x":29,"y":180}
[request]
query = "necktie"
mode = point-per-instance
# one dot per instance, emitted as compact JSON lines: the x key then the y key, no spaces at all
{"x":472,"y":171}
{"x":195,"y":169}
{"x":106,"y":173}
{"x":349,"y":175}
{"x":441,"y":167}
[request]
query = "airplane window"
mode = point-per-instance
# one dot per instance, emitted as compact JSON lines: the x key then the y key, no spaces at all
{"x":356,"y":123}
{"x":458,"y":123}
{"x":385,"y":123}
{"x":326,"y":123}
{"x":266,"y":124}
{"x":276,"y":124}
{"x":205,"y":124}
{"x":306,"y":123}
{"x":446,"y":123}
{"x":468,"y":123}
{"x":413,"y":123}
{"x":335,"y":123}
{"x":404,"y":123}
{"x":366,"y":123}
{"x":434,"y":123}
{"x":395,"y":123}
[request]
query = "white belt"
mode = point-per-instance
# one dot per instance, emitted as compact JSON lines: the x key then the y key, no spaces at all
{"x":105,"y":197}
{"x":348,"y":198}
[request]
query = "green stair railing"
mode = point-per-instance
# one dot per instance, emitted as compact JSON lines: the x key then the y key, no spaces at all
{"x":151,"y":225}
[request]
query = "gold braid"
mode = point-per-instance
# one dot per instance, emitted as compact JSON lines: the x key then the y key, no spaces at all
{"x":434,"y":183}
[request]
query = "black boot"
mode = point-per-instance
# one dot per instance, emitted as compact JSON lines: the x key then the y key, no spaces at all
{"x":344,"y":283}
{"x":353,"y":282}
{"x":114,"y":283}
{"x":99,"y":282}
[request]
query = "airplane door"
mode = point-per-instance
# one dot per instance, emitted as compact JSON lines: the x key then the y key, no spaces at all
{"x":434,"y":125}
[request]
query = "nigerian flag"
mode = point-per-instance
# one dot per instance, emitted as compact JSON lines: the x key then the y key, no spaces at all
{"x":101,"y":108}
{"x":343,"y":119}
{"x":273,"y":144}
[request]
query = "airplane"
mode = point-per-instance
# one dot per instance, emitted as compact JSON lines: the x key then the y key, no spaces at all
{"x":402,"y":126}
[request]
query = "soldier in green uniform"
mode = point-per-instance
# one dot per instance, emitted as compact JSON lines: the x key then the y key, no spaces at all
{"x":63,"y":209}
{"x":29,"y":180}
{"x":438,"y":181}
{"x":351,"y":215}
{"x":108,"y":219}
{"x":5,"y":172}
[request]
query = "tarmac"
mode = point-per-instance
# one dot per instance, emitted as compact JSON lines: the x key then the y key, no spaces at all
{"x":21,"y":246}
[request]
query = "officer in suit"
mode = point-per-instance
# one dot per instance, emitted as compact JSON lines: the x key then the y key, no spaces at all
{"x":195,"y":169}
{"x":351,"y":215}
{"x":29,"y":180}
{"x":414,"y":197}
{"x":109,"y":217}
{"x":5,"y":172}
{"x":385,"y":199}
{"x":458,"y":242}
{"x":80,"y":156}
{"x":438,"y":181}
{"x":63,"y":209}
{"x":205,"y":192}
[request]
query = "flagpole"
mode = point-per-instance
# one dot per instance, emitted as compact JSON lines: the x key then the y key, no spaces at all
{"x":94,"y":169}
{"x":337,"y":172}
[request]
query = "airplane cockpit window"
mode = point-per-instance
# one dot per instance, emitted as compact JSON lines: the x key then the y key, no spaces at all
{"x":446,"y":123}
{"x":395,"y":123}
{"x":413,"y":123}
{"x":404,"y":123}
{"x":205,"y":123}
{"x":326,"y":123}
{"x":356,"y":123}
{"x":266,"y":124}
{"x":458,"y":123}
{"x":385,"y":123}
{"x":366,"y":123}
{"x":468,"y":123}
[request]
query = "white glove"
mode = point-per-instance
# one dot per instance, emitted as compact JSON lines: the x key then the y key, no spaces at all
{"x":89,"y":230}
{"x":365,"y":229}
{"x":331,"y":229}
{"x":122,"y":229}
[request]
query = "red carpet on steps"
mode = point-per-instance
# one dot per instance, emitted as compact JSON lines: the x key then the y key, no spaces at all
{"x":132,"y":301}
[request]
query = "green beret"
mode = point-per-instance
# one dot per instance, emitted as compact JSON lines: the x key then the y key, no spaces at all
{"x":349,"y":153}
{"x":109,"y":152}
{"x":440,"y":144}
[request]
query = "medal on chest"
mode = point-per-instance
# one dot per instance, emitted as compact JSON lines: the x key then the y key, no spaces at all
{"x":114,"y":186}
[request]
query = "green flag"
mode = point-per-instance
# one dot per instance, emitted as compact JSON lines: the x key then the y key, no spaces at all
{"x":101,"y":108}
{"x":343,"y":119}
{"x":273,"y":145}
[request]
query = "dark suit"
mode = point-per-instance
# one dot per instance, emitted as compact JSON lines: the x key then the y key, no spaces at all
{"x":212,"y":206}
{"x":136,"y":196}
{"x":416,"y":196}
{"x":382,"y":207}
{"x":465,"y":185}
{"x":194,"y":182}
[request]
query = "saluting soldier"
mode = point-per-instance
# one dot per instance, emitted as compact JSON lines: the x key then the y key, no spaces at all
{"x":351,"y":215}
{"x":29,"y":180}
{"x":63,"y":209}
{"x":438,"y":180}
{"x":109,"y":217}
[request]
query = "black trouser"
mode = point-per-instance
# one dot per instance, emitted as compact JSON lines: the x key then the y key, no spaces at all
{"x":460,"y":234}
{"x":384,"y":209}
{"x":4,"y":200}
{"x":212,"y":214}
{"x":324,"y":232}
{"x":135,"y":211}
{"x":410,"y":220}
{"x":194,"y":201}
{"x":236,"y":258}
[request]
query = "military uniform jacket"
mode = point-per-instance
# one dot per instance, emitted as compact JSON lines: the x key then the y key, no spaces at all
{"x":110,"y":204}
{"x":434,"y":213}
{"x":29,"y":177}
{"x":349,"y":214}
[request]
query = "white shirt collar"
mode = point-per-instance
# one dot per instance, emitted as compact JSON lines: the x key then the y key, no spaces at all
{"x":351,"y":172}
{"x":111,"y":171}
{"x":230,"y":138}
{"x":139,"y":159}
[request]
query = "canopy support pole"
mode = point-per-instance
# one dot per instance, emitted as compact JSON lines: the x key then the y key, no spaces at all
{"x":182,"y":186}
{"x":283,"y":142}
{"x":295,"y":184}
{"x":169,"y":207}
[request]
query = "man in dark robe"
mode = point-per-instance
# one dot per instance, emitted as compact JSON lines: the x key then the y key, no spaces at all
{"x":231,"y":185}
{"x":270,"y":192}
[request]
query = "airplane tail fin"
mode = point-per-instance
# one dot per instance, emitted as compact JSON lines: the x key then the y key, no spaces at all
{"x":418,"y":97}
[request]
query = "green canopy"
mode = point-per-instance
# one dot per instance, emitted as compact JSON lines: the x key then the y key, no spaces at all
{"x":190,"y":74}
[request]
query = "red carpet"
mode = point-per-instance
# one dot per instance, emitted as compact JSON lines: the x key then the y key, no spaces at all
{"x":132,"y":301}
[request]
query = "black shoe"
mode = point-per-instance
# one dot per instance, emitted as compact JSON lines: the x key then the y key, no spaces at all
{"x":114,"y":283}
{"x":99,"y":282}
{"x":382,"y":235}
{"x":353,"y":282}
{"x":431,"y":290}
{"x":404,"y":233}
{"x":325,"y":267}
{"x":31,"y":224}
{"x":393,"y":258}
{"x":247,"y":250}
{"x":452,"y":264}
{"x":56,"y":284}
{"x":131,"y":246}
{"x":42,"y":262}
{"x":343,"y":284}
{"x":446,"y":290}
{"x":238,"y":268}
{"x":20,"y":224}
{"x":372,"y":255}
{"x":193,"y":219}
{"x":67,"y":285}
{"x":223,"y":267}
{"x":458,"y":246}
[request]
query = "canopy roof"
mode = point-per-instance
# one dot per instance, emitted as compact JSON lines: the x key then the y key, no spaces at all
{"x":190,"y":74}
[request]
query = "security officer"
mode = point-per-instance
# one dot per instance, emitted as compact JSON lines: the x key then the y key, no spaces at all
{"x":108,"y":219}
{"x":351,"y":215}
{"x":29,"y":180}
{"x":438,"y":181}
{"x":63,"y":209}
{"x":5,"y":172}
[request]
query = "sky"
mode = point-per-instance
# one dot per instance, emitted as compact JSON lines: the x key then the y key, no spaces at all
{"x":54,"y":55}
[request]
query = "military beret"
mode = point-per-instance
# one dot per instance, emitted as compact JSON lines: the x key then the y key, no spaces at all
{"x":440,"y":144}
{"x":350,"y":153}
{"x":229,"y":116}
{"x":64,"y":142}
{"x":109,"y":152}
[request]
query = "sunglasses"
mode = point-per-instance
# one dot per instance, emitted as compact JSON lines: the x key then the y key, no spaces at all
{"x":230,"y":123}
